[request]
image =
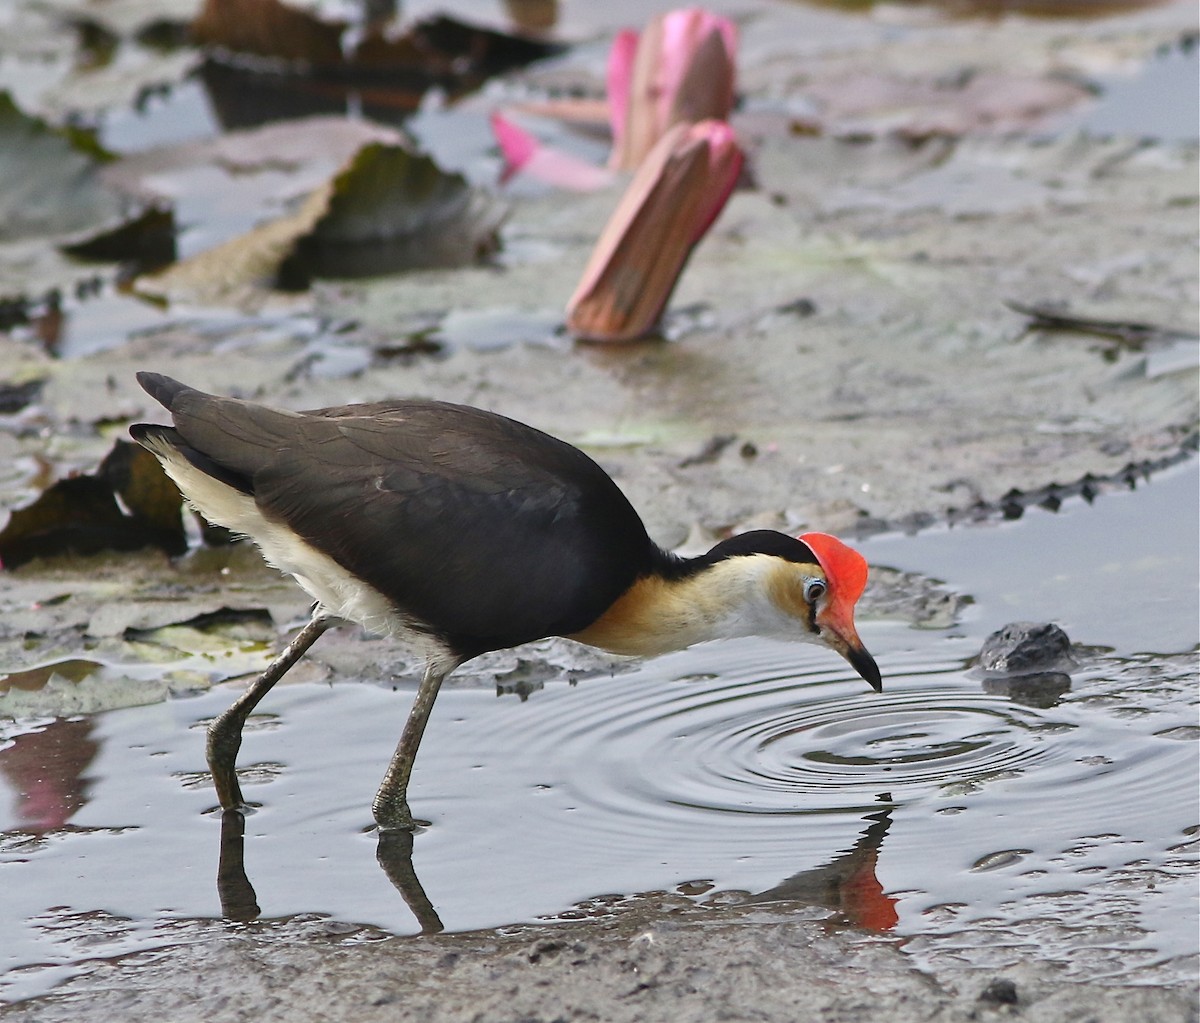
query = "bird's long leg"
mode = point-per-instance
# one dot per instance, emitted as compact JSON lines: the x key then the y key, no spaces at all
{"x":225,"y":733}
{"x":391,"y":801}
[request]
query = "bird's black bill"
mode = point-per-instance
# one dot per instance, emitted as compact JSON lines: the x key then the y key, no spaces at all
{"x":865,"y":665}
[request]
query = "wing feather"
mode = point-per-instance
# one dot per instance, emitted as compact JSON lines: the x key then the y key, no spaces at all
{"x":487,"y":530}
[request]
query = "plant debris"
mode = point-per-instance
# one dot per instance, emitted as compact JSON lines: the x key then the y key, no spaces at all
{"x":82,"y":514}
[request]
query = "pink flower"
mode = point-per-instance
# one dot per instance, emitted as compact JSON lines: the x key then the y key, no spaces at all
{"x":678,"y":191}
{"x":680,"y":70}
{"x":525,"y":154}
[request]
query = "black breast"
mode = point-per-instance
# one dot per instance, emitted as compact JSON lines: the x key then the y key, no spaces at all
{"x":486,"y":530}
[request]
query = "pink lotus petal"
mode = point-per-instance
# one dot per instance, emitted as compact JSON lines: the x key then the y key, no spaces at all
{"x":516,"y":144}
{"x":525,"y":154}
{"x":618,"y":80}
{"x":673,"y":198}
{"x":562,"y":170}
{"x":682,"y":70}
{"x":684,"y":32}
{"x":725,"y":159}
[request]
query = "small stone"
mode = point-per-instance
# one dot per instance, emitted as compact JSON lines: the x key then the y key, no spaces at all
{"x":1021,"y":648}
{"x":1000,"y":991}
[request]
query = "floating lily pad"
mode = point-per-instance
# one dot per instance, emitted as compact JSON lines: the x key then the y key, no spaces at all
{"x":390,"y":210}
{"x":49,"y":182}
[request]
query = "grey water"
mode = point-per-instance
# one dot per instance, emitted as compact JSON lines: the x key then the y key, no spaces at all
{"x":971,"y":823}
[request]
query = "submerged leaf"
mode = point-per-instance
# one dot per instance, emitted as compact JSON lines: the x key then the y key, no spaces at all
{"x":80,"y":514}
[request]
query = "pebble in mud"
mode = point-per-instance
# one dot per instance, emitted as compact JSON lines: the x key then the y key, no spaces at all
{"x":1000,"y":991}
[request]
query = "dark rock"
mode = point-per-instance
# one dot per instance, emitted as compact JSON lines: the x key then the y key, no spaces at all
{"x":1000,"y":991}
{"x":1023,"y":648}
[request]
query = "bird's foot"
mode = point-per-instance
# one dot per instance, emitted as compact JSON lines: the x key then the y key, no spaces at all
{"x":242,"y":808}
{"x":392,"y":815}
{"x":229,"y":791}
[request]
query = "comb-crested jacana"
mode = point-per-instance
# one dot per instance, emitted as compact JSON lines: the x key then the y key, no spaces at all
{"x":461,"y":531}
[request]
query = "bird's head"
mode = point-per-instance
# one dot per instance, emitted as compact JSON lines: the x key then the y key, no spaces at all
{"x":829,"y":599}
{"x":758,"y":583}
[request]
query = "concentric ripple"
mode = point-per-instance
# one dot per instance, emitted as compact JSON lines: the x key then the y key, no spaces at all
{"x":785,"y":745}
{"x":752,"y":768}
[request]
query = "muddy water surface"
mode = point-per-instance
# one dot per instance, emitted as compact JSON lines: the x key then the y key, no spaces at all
{"x":977,"y":821}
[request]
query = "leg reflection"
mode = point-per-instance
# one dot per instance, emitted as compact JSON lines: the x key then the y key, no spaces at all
{"x":394,"y":854}
{"x":238,"y":901}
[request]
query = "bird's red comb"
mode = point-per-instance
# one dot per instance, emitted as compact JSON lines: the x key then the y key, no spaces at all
{"x":844,"y":567}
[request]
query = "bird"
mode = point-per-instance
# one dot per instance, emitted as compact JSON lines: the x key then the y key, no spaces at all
{"x":460,"y":531}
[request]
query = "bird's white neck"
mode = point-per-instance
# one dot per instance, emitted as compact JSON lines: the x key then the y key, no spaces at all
{"x":754,"y":595}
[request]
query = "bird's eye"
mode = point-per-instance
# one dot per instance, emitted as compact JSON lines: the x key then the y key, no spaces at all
{"x":814,"y":589}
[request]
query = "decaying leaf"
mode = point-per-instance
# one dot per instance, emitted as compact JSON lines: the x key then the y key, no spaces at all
{"x":449,"y":50}
{"x":14,"y":397}
{"x":146,"y":242}
{"x":443,"y":51}
{"x":55,"y":193}
{"x":390,"y":210}
{"x":269,"y":28}
{"x":137,"y":478}
{"x":81,"y":514}
{"x":242,"y":271}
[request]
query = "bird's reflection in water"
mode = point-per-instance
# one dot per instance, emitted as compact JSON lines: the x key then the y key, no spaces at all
{"x":47,"y":769}
{"x":238,"y":900}
{"x":846,"y":884}
{"x":393,"y":852}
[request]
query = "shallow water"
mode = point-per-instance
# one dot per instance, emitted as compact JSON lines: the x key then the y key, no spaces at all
{"x":1056,"y":825}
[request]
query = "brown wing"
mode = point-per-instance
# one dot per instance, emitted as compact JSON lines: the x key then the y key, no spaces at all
{"x":490,"y":532}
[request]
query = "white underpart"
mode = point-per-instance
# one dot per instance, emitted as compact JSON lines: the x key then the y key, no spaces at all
{"x":340,"y":594}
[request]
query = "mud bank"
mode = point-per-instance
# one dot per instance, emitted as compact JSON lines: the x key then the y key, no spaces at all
{"x":654,"y":961}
